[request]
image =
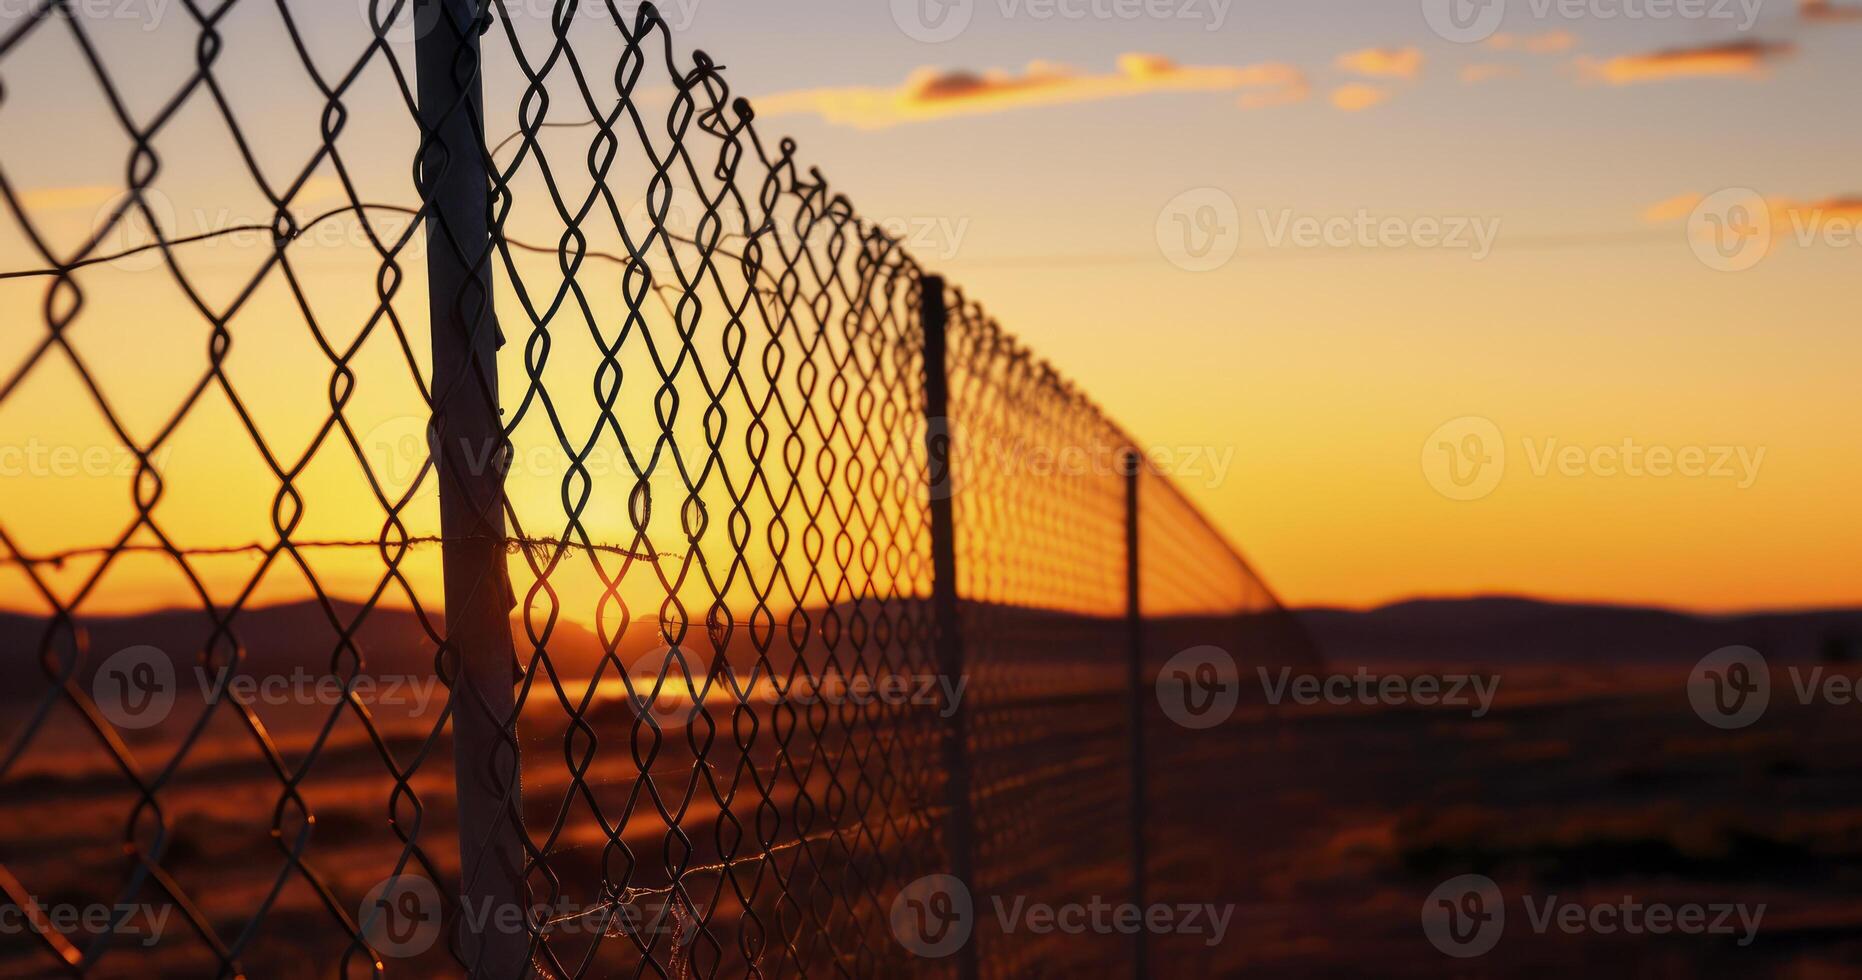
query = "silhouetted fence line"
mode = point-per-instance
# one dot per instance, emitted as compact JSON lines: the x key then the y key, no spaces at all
{"x":740,"y":580}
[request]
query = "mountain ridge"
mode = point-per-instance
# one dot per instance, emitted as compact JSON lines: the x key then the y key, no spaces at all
{"x":1520,"y":629}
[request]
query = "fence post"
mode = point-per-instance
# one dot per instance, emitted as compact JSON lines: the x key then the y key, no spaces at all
{"x":1132,"y":465}
{"x":466,"y":437}
{"x":934,"y":316}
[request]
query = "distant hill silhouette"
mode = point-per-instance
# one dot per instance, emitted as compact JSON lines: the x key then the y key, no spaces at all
{"x":1512,"y":630}
{"x":276,"y":639}
{"x":393,"y":642}
{"x":1492,"y":630}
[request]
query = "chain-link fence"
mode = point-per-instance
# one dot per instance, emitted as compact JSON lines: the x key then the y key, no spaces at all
{"x":516,"y":520}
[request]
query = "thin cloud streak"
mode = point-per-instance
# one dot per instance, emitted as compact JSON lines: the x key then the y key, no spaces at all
{"x":1357,"y":98}
{"x":1382,"y":62}
{"x":1275,"y":83}
{"x":67,"y":198}
{"x":1747,"y":59}
{"x":931,"y":94}
{"x":1673,"y":209}
{"x":1825,"y":12}
{"x":1808,"y":214}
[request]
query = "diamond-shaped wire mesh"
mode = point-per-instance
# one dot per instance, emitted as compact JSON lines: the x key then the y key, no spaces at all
{"x":241,"y":721}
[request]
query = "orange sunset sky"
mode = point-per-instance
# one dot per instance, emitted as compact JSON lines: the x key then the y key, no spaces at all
{"x":1050,"y":160}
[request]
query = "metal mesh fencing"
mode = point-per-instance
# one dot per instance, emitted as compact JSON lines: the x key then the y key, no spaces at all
{"x":1041,"y":566}
{"x":538,"y":528}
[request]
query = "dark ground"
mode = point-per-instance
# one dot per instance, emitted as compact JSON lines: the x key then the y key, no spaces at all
{"x":1327,"y":827}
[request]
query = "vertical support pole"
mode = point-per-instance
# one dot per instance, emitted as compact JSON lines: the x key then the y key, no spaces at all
{"x":466,"y":437}
{"x":934,"y":315}
{"x":1132,"y":465}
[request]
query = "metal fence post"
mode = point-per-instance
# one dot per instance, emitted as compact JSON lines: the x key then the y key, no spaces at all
{"x":934,"y":316}
{"x":466,"y":437}
{"x":1132,"y":465}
